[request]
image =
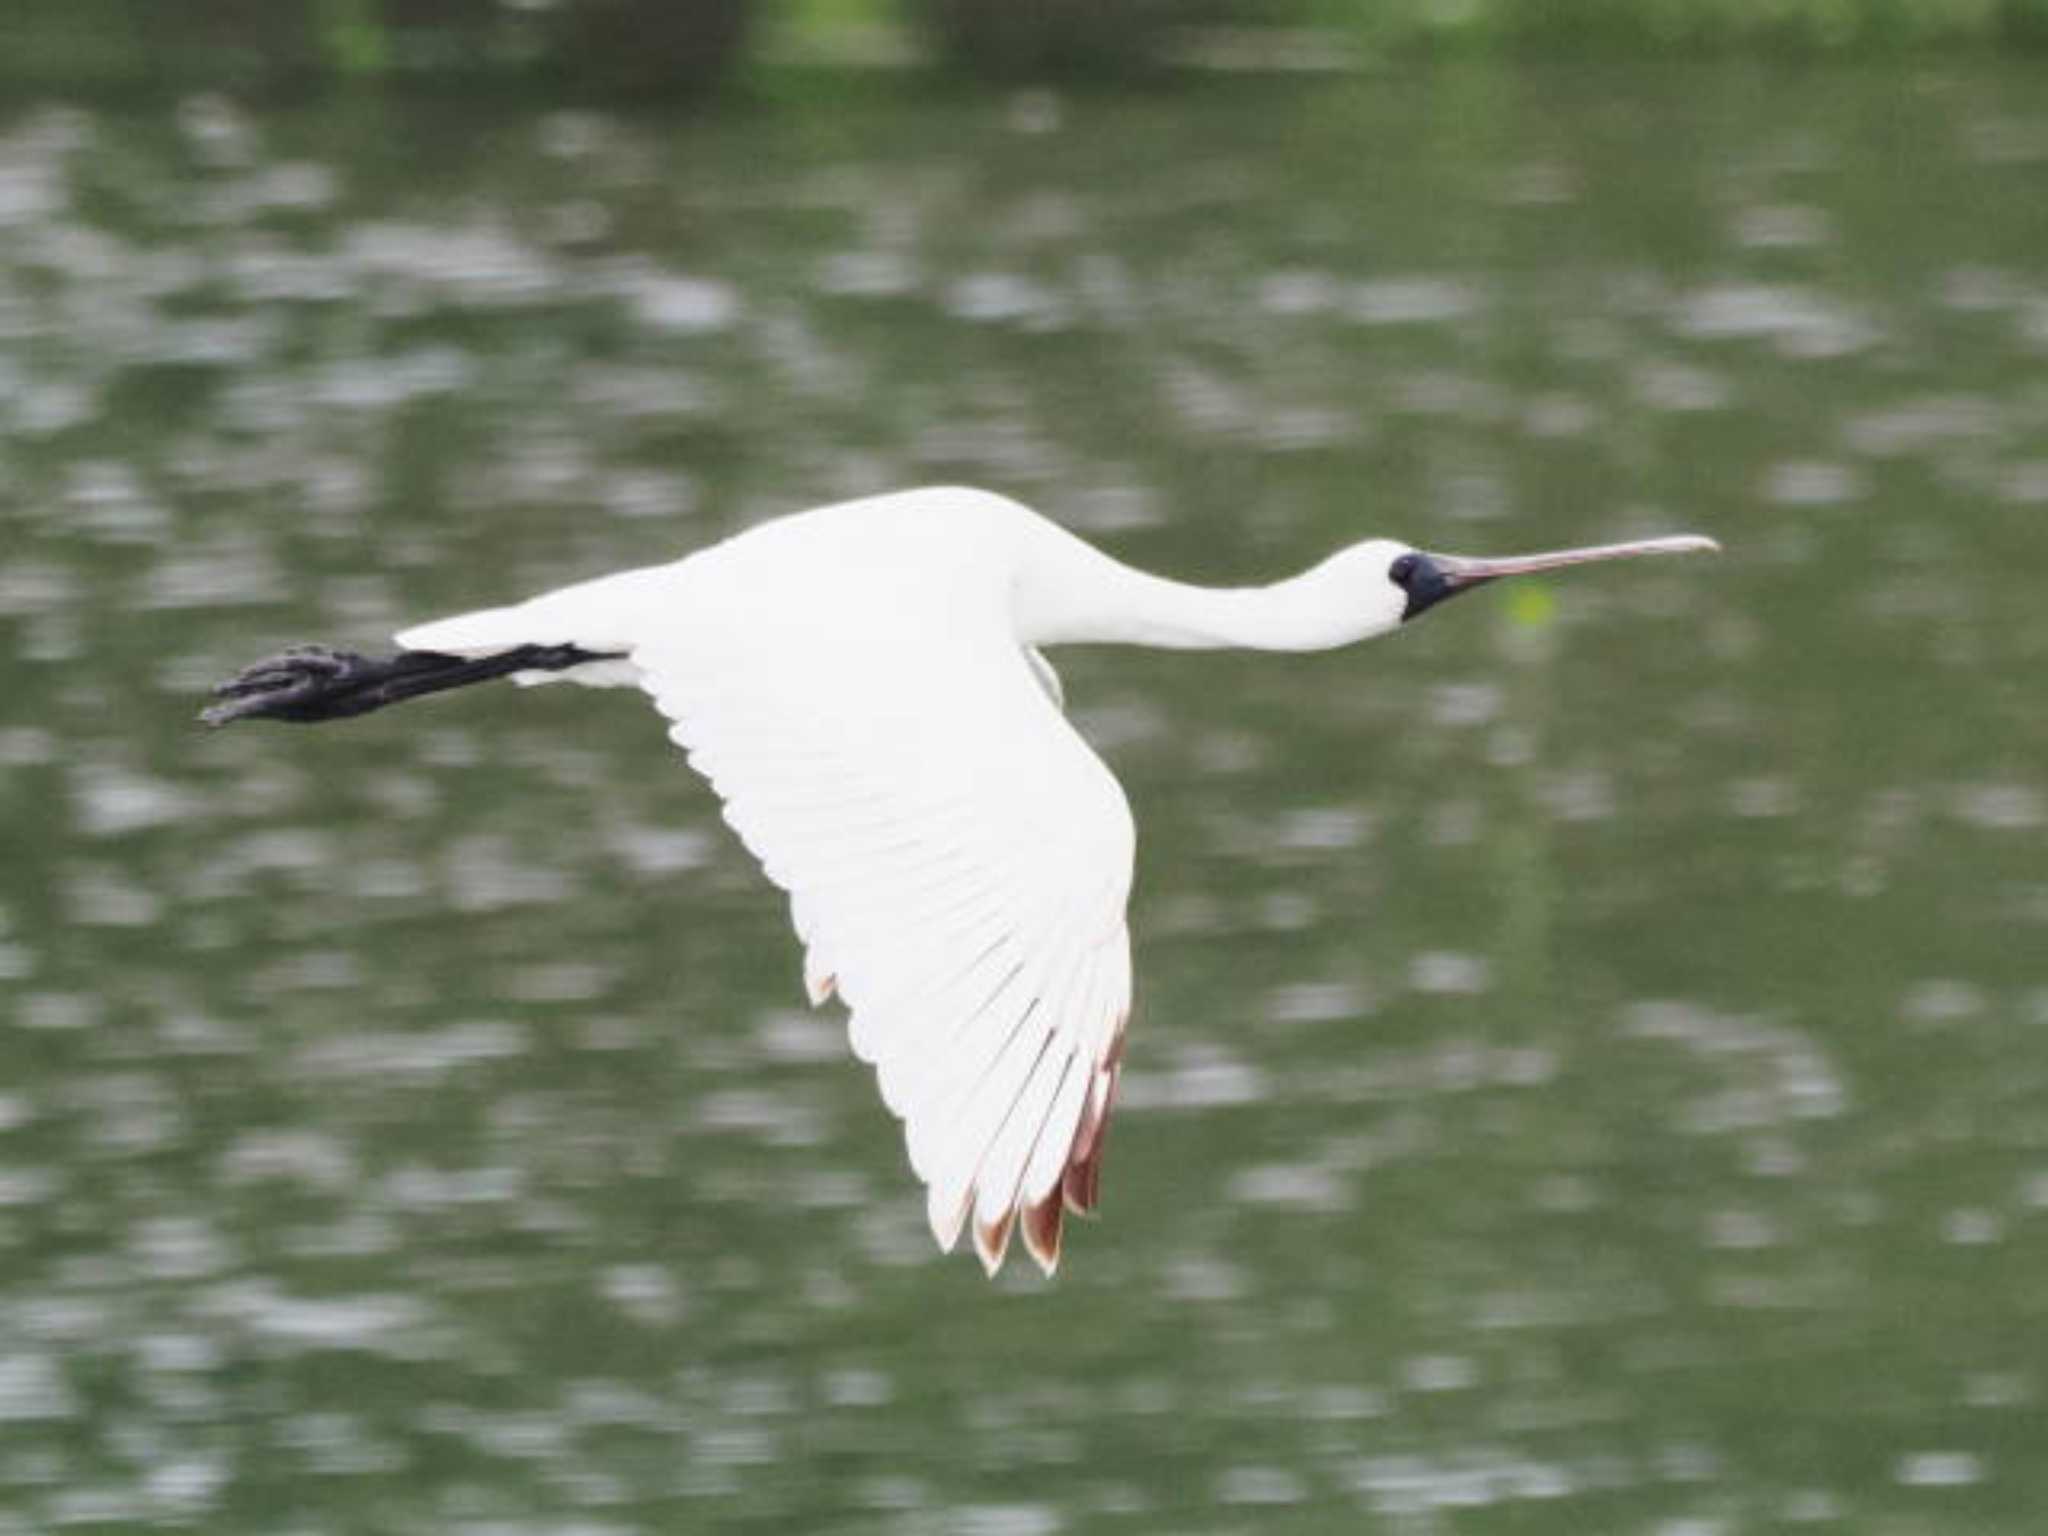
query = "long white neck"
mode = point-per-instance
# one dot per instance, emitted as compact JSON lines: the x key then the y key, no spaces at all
{"x":1072,"y":593}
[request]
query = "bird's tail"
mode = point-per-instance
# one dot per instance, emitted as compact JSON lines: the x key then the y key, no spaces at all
{"x":585,"y":633}
{"x":604,"y":615}
{"x":485,"y":632}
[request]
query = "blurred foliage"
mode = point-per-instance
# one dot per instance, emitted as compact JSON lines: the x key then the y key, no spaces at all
{"x":1024,"y":36}
{"x":644,"y":46}
{"x":665,"y":47}
{"x":1772,"y":25}
{"x":633,"y":47}
{"x":1040,"y":37}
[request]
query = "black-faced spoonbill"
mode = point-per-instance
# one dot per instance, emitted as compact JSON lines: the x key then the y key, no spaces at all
{"x":863,"y":685}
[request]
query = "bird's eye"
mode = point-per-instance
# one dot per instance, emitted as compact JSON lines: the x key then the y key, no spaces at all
{"x":1402,"y":571}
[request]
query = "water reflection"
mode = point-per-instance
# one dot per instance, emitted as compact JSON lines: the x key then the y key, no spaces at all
{"x":1588,"y":1072}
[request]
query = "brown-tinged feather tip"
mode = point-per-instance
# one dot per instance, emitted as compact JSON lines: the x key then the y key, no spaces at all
{"x":1042,"y":1231}
{"x":992,"y":1239}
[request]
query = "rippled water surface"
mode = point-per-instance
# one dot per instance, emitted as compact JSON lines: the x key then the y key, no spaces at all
{"x":1591,"y":1070}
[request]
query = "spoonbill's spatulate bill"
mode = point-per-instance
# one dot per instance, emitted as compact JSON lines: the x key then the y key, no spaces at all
{"x":863,"y":686}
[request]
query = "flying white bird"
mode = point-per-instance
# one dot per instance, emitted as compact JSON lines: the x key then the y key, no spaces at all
{"x":863,"y":686}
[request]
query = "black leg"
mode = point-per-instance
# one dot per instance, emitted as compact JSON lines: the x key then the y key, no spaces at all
{"x":311,"y":682}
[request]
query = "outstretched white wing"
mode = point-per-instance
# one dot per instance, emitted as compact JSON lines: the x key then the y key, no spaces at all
{"x":852,"y":684}
{"x":958,"y":863}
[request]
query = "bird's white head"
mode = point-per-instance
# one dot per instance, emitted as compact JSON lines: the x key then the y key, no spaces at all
{"x":1365,"y":590}
{"x":1358,"y":592}
{"x":1378,"y":585}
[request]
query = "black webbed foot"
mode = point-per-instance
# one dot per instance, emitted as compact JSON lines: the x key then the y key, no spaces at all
{"x":315,"y":682}
{"x":305,"y":683}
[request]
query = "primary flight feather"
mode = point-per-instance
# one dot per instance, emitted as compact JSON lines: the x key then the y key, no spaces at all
{"x":863,"y":686}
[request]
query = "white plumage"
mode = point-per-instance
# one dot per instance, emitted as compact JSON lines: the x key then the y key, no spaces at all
{"x":862,"y":686}
{"x":851,"y":683}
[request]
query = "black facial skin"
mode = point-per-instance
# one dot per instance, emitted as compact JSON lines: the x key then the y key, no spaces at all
{"x":1426,"y":585}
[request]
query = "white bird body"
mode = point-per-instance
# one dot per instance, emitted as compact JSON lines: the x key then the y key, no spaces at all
{"x":853,"y":682}
{"x":861,"y":685}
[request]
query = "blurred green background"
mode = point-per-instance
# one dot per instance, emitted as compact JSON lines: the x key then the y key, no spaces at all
{"x":1591,"y":1062}
{"x":669,"y":48}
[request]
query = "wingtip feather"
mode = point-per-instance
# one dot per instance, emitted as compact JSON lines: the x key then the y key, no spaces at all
{"x":992,"y":1240}
{"x":1041,"y":1227}
{"x":1081,"y":1188}
{"x":947,"y":1220}
{"x":1081,"y":1185}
